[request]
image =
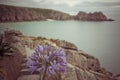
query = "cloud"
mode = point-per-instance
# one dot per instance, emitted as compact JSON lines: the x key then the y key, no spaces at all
{"x":70,"y":3}
{"x":102,"y":4}
{"x":69,"y":6}
{"x":66,"y":2}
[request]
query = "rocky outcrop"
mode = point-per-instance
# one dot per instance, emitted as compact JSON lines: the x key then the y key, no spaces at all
{"x":96,"y":16}
{"x":14,"y":14}
{"x":10,"y":64}
{"x":80,"y":65}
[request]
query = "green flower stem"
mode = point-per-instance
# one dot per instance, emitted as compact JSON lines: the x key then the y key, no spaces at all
{"x":44,"y":73}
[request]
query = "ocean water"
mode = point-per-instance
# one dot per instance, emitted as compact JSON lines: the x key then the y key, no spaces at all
{"x":100,"y":39}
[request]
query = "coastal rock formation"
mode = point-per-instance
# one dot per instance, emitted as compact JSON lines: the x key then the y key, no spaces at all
{"x":80,"y":65}
{"x":96,"y":16}
{"x":14,"y":14}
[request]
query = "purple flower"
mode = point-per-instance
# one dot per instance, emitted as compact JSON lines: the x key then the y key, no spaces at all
{"x":47,"y":59}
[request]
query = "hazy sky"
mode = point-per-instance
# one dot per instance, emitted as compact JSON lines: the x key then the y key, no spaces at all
{"x":70,"y":6}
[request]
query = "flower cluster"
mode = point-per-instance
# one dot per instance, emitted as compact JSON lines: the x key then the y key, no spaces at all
{"x":47,"y":59}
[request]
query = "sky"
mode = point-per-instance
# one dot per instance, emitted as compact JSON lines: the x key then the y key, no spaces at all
{"x":68,"y":6}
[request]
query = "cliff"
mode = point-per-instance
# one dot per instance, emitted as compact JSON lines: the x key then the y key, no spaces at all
{"x":12,"y":14}
{"x":15,"y":14}
{"x":80,"y":66}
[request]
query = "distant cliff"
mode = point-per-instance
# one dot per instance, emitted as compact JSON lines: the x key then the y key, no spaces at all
{"x":15,"y":14}
{"x":96,"y":16}
{"x":11,"y":13}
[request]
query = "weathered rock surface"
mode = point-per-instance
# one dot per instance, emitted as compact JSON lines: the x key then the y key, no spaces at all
{"x":64,"y":44}
{"x":117,"y":76}
{"x":80,"y":66}
{"x":14,"y":14}
{"x":30,"y":77}
{"x":10,"y":66}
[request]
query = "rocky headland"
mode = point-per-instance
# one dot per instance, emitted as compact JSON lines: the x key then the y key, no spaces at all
{"x":17,"y":14}
{"x":96,"y":16}
{"x":80,"y":65}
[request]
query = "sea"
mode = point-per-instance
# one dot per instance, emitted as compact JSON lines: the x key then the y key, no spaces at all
{"x":100,"y":39}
